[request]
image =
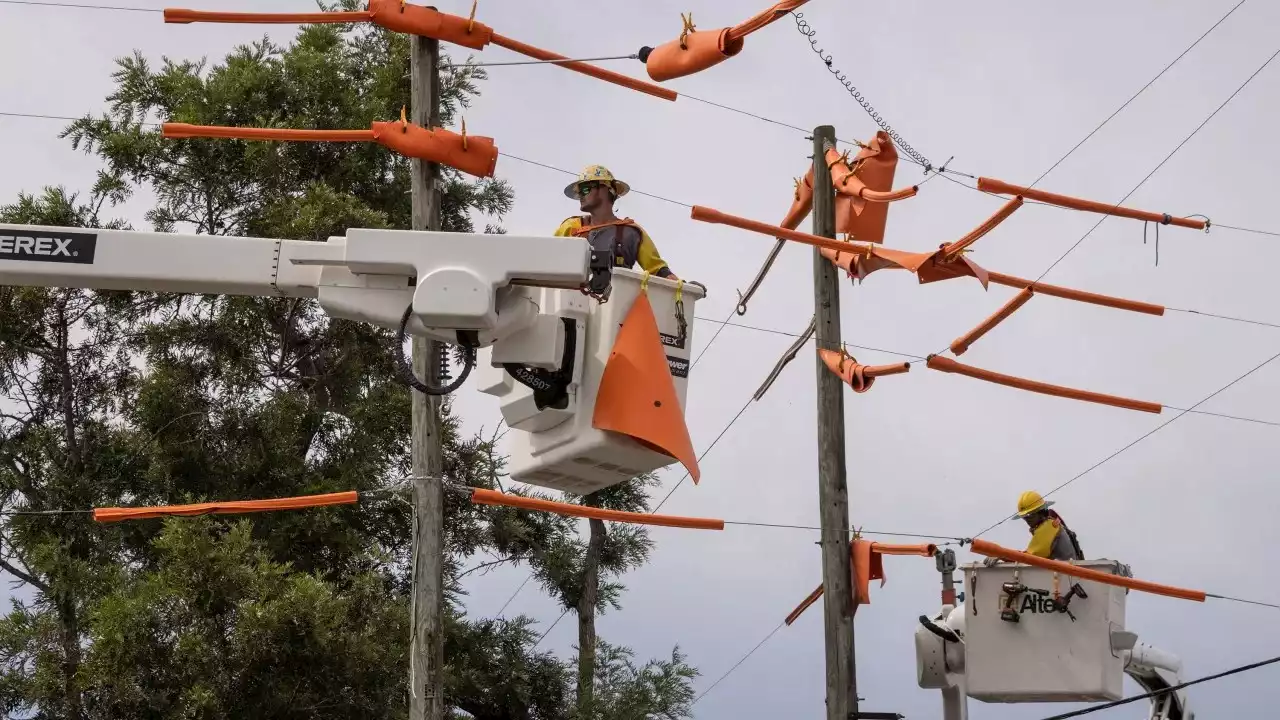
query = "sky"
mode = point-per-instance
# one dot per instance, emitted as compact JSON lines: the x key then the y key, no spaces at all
{"x":997,"y":89}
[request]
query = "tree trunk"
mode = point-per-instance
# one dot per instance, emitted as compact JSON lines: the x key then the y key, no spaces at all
{"x":587,"y":615}
{"x":69,"y":619}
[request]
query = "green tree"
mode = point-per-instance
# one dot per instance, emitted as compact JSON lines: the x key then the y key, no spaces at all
{"x":114,"y":398}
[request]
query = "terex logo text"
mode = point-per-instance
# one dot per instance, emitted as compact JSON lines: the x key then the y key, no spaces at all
{"x":64,"y":247}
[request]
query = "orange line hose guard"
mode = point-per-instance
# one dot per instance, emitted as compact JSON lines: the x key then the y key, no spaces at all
{"x":1077,"y":295}
{"x":585,"y":68}
{"x":697,"y":50}
{"x":472,"y":154}
{"x":801,"y":202}
{"x":233,"y":507}
{"x":857,"y":376}
{"x":990,"y":549}
{"x":947,"y":365}
{"x":709,"y":215}
{"x":481,"y":496}
{"x":962,"y":343}
{"x":428,"y":22}
{"x":866,"y":565}
{"x":951,"y":250}
{"x":871,"y":171}
{"x":1001,"y":187}
{"x":637,"y":396}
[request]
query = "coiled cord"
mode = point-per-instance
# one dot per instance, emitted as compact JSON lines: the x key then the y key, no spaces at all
{"x":412,"y":380}
{"x":806,"y":30}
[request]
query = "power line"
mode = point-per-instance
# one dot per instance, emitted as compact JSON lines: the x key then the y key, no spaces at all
{"x":1135,"y":95}
{"x":744,"y":658}
{"x":80,"y":6}
{"x":1225,"y":317}
{"x":1162,"y":691}
{"x":1162,"y":162}
{"x":1146,"y":435}
{"x":704,"y":452}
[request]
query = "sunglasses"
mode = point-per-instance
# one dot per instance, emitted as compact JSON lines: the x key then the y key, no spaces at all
{"x":584,"y":189}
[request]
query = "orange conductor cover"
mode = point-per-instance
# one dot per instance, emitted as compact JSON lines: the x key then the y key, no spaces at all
{"x":867,"y":564}
{"x":871,"y":178}
{"x":990,"y":549}
{"x":390,"y":14}
{"x":233,"y":507}
{"x":955,"y":248}
{"x":637,"y":396}
{"x":1077,"y":295}
{"x":801,"y":202}
{"x":698,"y":50}
{"x":709,"y":215}
{"x":472,"y":154}
{"x":426,"y":22}
{"x":1001,"y":187}
{"x":962,"y":343}
{"x":937,"y":362}
{"x":481,"y":496}
{"x":859,"y":377}
{"x":585,"y":68}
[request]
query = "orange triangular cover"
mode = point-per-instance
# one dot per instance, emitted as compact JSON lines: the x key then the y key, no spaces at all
{"x":637,"y":396}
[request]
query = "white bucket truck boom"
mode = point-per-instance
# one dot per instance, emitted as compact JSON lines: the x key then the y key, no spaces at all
{"x":1023,"y":634}
{"x":547,"y":311}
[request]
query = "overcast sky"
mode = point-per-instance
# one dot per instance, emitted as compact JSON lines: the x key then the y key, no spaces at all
{"x":1004,"y":87}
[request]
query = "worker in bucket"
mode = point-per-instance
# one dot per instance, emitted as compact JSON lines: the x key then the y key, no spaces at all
{"x":1050,"y":536}
{"x":596,"y":190}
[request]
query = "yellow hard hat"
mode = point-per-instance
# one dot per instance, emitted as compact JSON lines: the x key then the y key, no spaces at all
{"x":1031,"y":501}
{"x":596,"y":173}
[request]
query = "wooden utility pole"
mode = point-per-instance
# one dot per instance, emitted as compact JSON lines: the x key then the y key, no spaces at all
{"x":833,"y":496}
{"x":426,"y":645}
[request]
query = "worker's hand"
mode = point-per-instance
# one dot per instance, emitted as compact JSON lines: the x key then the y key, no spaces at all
{"x":990,"y":562}
{"x":695,"y":282}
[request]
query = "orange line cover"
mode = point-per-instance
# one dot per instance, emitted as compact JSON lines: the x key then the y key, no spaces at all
{"x":990,"y":549}
{"x":709,"y":215}
{"x":697,"y":50}
{"x":481,"y":496}
{"x":1077,"y":295}
{"x":233,"y":507}
{"x":937,"y":362}
{"x":1001,"y":187}
{"x":857,"y":376}
{"x":428,"y":22}
{"x":870,"y":177}
{"x":866,"y":565}
{"x":472,"y":154}
{"x":962,"y":343}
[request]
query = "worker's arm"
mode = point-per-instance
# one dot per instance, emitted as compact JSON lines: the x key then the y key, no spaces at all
{"x":650,"y":260}
{"x":1041,"y":544}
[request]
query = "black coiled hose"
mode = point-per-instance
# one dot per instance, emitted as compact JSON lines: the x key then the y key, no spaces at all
{"x":406,"y":370}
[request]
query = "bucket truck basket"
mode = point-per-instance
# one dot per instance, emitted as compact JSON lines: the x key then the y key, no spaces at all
{"x":622,"y":417}
{"x":1034,"y":635}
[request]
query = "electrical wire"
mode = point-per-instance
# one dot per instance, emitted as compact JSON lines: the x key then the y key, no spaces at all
{"x":704,"y":452}
{"x":1140,"y":91}
{"x":1162,"y":691}
{"x":1146,"y":435}
{"x":1162,"y":162}
{"x":80,"y":6}
{"x":744,"y":658}
{"x":1225,"y":317}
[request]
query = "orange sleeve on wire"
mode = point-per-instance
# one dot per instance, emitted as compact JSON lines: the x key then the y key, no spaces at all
{"x":480,"y":496}
{"x":185,"y":130}
{"x":709,"y":215}
{"x":990,"y":549}
{"x":1077,"y":295}
{"x":585,"y":68}
{"x":804,"y":605}
{"x":962,"y":343}
{"x":951,"y":250}
{"x":761,"y":20}
{"x":846,"y":182}
{"x":183,"y":16}
{"x":923,"y":550}
{"x":1001,"y":187}
{"x":937,"y":362}
{"x":234,"y":507}
{"x":391,"y":14}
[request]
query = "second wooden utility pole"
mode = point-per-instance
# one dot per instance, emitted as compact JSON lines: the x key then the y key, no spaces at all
{"x":426,"y":645}
{"x":833,"y":496}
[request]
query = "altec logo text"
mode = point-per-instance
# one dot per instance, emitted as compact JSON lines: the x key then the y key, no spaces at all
{"x":47,"y":247}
